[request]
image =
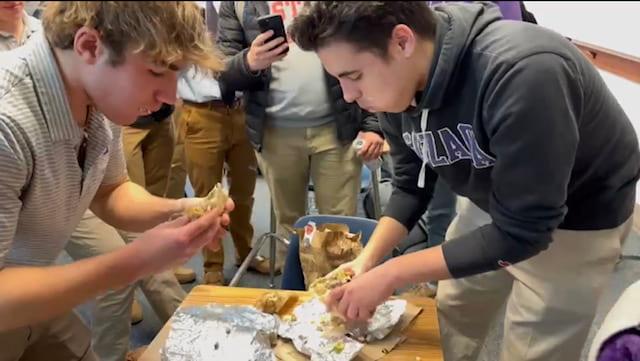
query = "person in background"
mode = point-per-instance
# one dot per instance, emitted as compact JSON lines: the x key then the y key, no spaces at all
{"x":521,"y":125}
{"x":298,"y":123}
{"x":61,"y":153}
{"x":214,"y":134}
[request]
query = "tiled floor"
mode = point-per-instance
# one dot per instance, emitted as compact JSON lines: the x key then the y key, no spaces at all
{"x":626,"y":273}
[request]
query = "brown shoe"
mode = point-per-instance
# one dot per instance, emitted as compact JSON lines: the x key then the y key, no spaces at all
{"x":261,"y":265}
{"x":135,"y":354}
{"x":184,"y":275}
{"x":136,"y":312}
{"x":214,"y":278}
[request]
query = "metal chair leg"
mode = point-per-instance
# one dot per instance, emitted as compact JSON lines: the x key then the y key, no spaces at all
{"x":375,"y":183}
{"x":247,"y":261}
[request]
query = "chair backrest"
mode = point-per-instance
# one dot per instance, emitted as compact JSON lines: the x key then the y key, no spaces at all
{"x":355,"y":224}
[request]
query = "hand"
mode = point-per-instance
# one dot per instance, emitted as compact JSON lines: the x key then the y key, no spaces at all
{"x":358,"y":266}
{"x":185,"y":203}
{"x":373,"y":145}
{"x":261,"y":55}
{"x":173,"y":243}
{"x":357,"y":300}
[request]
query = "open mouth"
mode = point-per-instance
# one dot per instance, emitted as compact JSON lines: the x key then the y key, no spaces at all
{"x":145,"y":111}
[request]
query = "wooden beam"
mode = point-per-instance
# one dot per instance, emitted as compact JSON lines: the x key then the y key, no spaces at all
{"x":620,"y":64}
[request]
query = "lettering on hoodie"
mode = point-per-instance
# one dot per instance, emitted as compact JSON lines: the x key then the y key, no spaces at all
{"x":456,"y":148}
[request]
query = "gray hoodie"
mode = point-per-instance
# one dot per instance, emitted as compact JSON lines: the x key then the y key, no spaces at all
{"x":516,"y":119}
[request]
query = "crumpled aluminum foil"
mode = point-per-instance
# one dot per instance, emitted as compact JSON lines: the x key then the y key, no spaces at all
{"x":219,"y":332}
{"x":308,"y":337}
{"x":384,"y":319}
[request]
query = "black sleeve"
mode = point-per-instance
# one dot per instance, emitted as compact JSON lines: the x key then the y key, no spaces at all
{"x":531,"y":114}
{"x":234,"y":46}
{"x":370,"y":123}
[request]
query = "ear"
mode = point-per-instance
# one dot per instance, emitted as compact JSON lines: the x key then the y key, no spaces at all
{"x":403,"y":41}
{"x":88,"y":45}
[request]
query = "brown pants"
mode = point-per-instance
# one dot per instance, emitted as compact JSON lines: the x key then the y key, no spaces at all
{"x":214,"y":135}
{"x":148,"y":152}
{"x":64,"y":338}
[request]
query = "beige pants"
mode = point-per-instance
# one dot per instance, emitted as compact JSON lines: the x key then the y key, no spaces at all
{"x":290,"y":157}
{"x":112,"y":314}
{"x":551,"y":298}
{"x":64,"y":338}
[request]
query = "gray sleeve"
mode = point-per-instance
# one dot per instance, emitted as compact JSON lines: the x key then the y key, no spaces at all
{"x":12,"y":181}
{"x":531,"y":111}
{"x":407,"y":202}
{"x":232,"y":43}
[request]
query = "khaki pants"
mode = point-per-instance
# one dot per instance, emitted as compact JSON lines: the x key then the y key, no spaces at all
{"x":112,"y":313}
{"x":215,"y":135}
{"x":292,"y":156}
{"x":148,"y":153}
{"x":551,"y":298}
{"x":177,"y":173}
{"x":65,"y":338}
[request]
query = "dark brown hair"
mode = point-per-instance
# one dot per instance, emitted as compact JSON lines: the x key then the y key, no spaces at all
{"x":364,"y":24}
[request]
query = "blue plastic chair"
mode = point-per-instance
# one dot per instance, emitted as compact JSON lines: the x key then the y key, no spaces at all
{"x":292,"y":276}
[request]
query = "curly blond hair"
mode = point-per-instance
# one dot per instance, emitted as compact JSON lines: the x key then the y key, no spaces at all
{"x":169,"y":32}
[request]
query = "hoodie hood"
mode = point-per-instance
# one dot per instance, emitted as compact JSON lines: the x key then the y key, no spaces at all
{"x":456,"y":28}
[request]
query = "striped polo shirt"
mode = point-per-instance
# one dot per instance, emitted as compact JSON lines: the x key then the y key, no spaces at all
{"x":43,"y":189}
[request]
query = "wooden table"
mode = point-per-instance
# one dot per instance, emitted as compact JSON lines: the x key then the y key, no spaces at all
{"x":423,"y":336}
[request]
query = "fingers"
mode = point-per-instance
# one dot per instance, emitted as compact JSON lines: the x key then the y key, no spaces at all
{"x":365,"y":151}
{"x":174,"y":223}
{"x":229,"y":206}
{"x":261,"y":49}
{"x":261,"y":38}
{"x":332,"y":300}
{"x":209,"y":221}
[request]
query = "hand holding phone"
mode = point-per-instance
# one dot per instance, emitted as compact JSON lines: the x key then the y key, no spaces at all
{"x":270,"y":46}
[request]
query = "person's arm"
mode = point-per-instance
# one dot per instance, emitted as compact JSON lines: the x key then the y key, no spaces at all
{"x":231,"y":41}
{"x":25,"y":300}
{"x":532,"y":111}
{"x":407,"y":202}
{"x":130,"y":207}
{"x":124,"y":204}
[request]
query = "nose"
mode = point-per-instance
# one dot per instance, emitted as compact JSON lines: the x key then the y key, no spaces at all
{"x":168,"y":92}
{"x":350,"y":93}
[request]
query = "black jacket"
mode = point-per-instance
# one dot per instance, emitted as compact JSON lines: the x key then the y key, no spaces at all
{"x":234,"y":40}
{"x":517,"y":120}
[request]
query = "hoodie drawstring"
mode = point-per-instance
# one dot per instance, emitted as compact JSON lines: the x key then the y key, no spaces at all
{"x":423,"y":126}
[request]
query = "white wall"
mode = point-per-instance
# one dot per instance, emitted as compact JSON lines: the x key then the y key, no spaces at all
{"x":613,"y":25}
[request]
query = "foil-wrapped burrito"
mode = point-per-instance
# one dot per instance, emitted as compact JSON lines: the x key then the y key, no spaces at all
{"x":312,"y":330}
{"x":218,"y":332}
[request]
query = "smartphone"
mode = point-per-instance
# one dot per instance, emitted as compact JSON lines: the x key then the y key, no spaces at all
{"x":273,"y":22}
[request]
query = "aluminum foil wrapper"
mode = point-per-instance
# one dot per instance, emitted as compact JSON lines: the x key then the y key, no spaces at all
{"x":218,"y":332}
{"x":384,"y":320}
{"x":308,"y":337}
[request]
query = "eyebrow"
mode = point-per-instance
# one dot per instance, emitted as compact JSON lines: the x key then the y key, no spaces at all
{"x":347,"y":73}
